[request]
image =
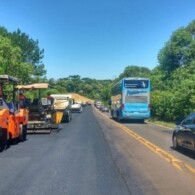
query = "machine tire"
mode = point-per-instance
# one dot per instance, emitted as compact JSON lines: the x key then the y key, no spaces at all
{"x":118,"y":118}
{"x":67,"y":117}
{"x":23,"y":132}
{"x":141,"y":120}
{"x":3,"y":139}
{"x":175,"y":143}
{"x":112,"y":115}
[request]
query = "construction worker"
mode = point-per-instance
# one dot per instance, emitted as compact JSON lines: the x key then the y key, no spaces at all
{"x":22,"y":100}
{"x":50,"y":99}
{"x":21,"y":96}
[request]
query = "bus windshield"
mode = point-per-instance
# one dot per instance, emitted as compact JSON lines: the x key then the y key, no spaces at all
{"x":136,"y":83}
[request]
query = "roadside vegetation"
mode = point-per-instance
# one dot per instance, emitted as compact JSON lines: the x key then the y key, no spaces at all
{"x":172,"y":80}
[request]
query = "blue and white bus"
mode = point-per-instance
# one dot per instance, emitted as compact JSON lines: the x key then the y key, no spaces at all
{"x":130,"y":99}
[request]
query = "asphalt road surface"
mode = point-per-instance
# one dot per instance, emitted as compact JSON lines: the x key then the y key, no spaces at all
{"x":89,"y":156}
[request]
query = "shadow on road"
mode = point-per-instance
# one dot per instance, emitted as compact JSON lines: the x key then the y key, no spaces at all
{"x":186,"y":152}
{"x":129,"y":121}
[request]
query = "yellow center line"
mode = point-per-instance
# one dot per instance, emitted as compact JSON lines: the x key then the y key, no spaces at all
{"x":162,"y":153}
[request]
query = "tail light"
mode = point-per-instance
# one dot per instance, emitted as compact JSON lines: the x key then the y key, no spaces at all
{"x":149,"y":107}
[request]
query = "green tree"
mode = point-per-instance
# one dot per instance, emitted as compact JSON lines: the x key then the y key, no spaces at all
{"x":11,"y":61}
{"x":3,"y":31}
{"x":106,"y":94}
{"x":158,"y":79}
{"x":179,"y":50}
{"x":30,"y":52}
{"x":134,"y":71}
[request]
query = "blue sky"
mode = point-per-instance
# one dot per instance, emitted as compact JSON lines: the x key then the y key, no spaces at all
{"x":97,"y":38}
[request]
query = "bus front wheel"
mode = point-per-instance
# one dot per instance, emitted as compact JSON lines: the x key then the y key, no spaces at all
{"x":142,"y":121}
{"x":118,"y":118}
{"x":3,"y":139}
{"x":112,"y":114}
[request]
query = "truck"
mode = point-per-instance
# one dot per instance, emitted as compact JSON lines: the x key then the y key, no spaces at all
{"x":13,"y":116}
{"x":62,"y":103}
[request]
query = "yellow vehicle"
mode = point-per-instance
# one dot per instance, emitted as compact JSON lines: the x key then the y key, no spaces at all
{"x":62,"y":103}
{"x":13,"y":117}
{"x":42,"y":116}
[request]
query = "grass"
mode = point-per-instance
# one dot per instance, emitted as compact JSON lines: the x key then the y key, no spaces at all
{"x":163,"y":123}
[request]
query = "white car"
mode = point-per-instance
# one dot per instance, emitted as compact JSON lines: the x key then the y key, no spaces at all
{"x":76,"y":107}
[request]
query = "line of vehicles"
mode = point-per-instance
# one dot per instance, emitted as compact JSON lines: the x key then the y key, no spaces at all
{"x":19,"y":115}
{"x":101,"y":107}
{"x":130,"y":99}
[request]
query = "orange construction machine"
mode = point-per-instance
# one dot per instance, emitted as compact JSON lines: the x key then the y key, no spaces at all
{"x":13,"y":112}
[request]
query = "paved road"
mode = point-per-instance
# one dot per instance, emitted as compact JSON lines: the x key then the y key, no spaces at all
{"x":91,"y":156}
{"x":162,"y":137}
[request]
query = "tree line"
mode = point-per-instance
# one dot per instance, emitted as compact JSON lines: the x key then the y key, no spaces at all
{"x":172,"y":80}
